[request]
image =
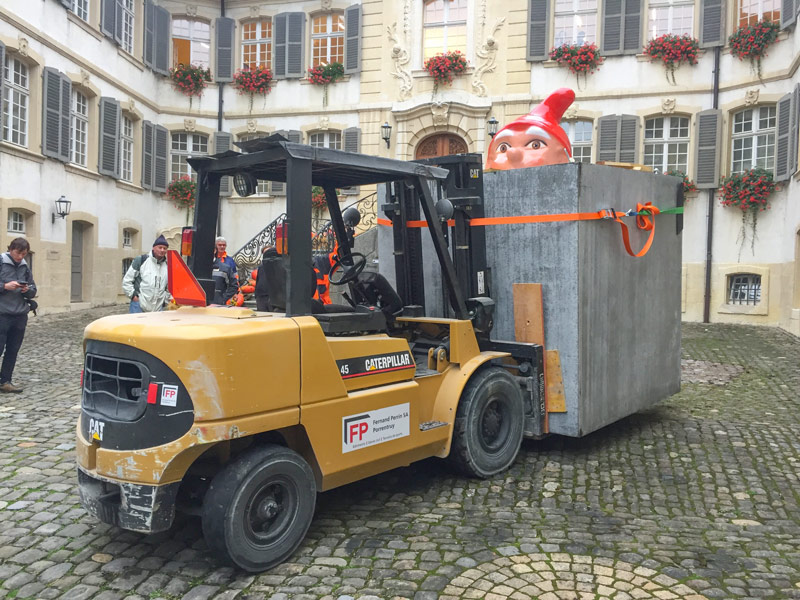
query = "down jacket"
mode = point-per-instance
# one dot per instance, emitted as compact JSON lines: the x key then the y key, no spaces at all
{"x":14,"y":302}
{"x":147,"y":278}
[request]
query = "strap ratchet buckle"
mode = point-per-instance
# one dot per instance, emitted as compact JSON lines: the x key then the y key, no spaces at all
{"x":608,"y":214}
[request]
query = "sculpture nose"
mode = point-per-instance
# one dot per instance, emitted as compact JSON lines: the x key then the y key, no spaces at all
{"x":515,"y":155}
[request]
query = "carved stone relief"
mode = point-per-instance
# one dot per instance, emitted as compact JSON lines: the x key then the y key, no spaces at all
{"x":324,"y":123}
{"x":401,"y":58}
{"x":668,"y":106}
{"x":251,"y":125}
{"x":23,"y":46}
{"x":255,"y":11}
{"x":84,"y":78}
{"x":189,"y":124}
{"x":571,"y":113}
{"x":326,"y":4}
{"x":751,"y":96}
{"x":440,"y":112}
{"x":487,"y":52}
{"x":191,"y":10}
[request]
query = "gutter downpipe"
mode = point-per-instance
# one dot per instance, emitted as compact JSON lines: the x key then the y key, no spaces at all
{"x":220,"y":89}
{"x":710,"y":211}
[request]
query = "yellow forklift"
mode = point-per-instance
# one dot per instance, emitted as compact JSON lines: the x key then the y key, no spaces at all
{"x":241,"y":417}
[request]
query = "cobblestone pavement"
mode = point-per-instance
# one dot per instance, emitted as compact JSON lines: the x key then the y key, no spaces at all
{"x":697,"y":498}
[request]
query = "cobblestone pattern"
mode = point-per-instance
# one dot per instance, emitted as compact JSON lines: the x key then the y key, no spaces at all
{"x":697,"y":498}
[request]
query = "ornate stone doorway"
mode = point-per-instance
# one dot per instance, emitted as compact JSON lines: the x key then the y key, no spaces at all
{"x":440,"y":144}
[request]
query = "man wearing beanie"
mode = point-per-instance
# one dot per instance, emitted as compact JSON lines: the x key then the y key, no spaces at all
{"x":534,"y":139}
{"x":145,"y":282}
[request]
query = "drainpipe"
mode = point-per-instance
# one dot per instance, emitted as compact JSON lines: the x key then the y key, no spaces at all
{"x":710,"y":210}
{"x":220,"y":89}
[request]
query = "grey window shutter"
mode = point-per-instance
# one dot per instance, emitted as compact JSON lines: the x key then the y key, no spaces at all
{"x":225,"y":29}
{"x":538,"y":21}
{"x":788,"y":13}
{"x":295,"y":25}
{"x":629,"y":139}
{"x":51,"y":120}
{"x":2,"y":62}
{"x":222,"y":143}
{"x":147,"y":155}
{"x":66,"y":106}
{"x":608,"y":138}
{"x":294,"y":136}
{"x":712,"y":23}
{"x":148,"y":50}
{"x":278,"y":188}
{"x":351,"y":142}
{"x":118,"y":10}
{"x":66,"y":3}
{"x":709,"y":132}
{"x":108,"y":18}
{"x":794,"y":138}
{"x":279,"y":45}
{"x":352,"y":39}
{"x":162,"y":41}
{"x":612,"y":27}
{"x":108,"y":162}
{"x":160,"y":156}
{"x":632,"y":32}
{"x":783,"y":137}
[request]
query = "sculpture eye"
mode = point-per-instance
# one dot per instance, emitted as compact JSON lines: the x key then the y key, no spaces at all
{"x":536,"y":144}
{"x":503,"y":146}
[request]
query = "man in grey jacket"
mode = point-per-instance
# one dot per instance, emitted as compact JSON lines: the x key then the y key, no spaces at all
{"x":17,"y":290}
{"x":145,"y":282}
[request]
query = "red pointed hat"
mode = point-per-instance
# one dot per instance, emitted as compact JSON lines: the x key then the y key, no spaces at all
{"x":547,"y":115}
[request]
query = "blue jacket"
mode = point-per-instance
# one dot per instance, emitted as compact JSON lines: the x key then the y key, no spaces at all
{"x":14,"y":302}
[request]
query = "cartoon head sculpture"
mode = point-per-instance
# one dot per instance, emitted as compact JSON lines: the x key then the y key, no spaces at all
{"x":534,"y":139}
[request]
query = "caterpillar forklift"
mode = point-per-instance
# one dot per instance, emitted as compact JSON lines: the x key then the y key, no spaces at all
{"x":242,"y":417}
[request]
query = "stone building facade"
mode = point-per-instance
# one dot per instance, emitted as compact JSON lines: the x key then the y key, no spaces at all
{"x":89,"y":113}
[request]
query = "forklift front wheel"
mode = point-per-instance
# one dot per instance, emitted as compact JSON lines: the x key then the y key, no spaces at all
{"x":488,"y":427}
{"x":258,"y":508}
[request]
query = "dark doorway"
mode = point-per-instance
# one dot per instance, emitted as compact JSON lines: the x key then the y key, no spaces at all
{"x":76,"y":282}
{"x":441,"y":144}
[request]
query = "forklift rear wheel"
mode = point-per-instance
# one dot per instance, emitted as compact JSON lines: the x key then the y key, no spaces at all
{"x":487,"y":432}
{"x":258,"y":508}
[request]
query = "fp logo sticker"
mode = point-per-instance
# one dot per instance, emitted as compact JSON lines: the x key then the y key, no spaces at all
{"x":96,"y":429}
{"x":169,"y":395}
{"x":375,"y":427}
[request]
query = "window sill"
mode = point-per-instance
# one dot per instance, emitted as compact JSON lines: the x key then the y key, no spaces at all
{"x":71,"y":16}
{"x":307,"y":81}
{"x":251,"y":200}
{"x":82,"y":171}
{"x":422,"y":73}
{"x":126,"y":185}
{"x":21,"y":152}
{"x":744,"y":309}
{"x":131,"y":59}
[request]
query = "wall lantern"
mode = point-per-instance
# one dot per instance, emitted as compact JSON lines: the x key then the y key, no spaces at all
{"x":386,"y":133}
{"x":62,"y":208}
{"x":492,"y":124}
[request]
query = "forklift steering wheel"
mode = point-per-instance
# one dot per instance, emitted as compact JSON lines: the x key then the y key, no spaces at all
{"x":349,"y":272}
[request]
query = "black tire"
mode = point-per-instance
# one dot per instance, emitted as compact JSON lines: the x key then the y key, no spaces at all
{"x":258,"y":508}
{"x":488,"y":429}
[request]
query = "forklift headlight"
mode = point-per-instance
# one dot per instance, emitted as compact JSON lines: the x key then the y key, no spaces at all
{"x":245,"y":184}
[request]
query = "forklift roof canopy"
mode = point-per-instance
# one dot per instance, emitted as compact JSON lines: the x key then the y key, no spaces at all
{"x":266,"y":158}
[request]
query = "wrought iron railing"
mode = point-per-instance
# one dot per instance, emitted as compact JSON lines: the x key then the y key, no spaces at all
{"x":248,"y":256}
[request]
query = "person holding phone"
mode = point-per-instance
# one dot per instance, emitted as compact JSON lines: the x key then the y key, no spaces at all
{"x":17,"y":290}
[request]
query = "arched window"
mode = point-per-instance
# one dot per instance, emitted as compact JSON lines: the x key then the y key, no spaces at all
{"x":16,"y":222}
{"x":327,"y":39}
{"x":670,"y":16}
{"x":326,"y":139}
{"x":580,"y":136}
{"x":666,"y":143}
{"x":126,"y":148}
{"x":257,"y":44}
{"x":445,"y":27}
{"x":185,"y":145}
{"x":79,"y":127}
{"x":80,"y":8}
{"x":575,"y":22}
{"x":753,"y":11}
{"x":128,"y":31}
{"x":744,"y":288}
{"x":263,"y":185}
{"x":16,"y":100}
{"x":191,"y":42}
{"x":753,"y":139}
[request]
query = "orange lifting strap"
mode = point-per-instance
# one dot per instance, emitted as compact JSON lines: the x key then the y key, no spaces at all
{"x":643,"y":214}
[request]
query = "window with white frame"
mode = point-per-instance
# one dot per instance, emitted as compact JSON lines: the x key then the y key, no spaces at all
{"x":744,"y":288}
{"x":80,"y":8}
{"x":126,"y":149}
{"x":79,"y":128}
{"x":128,"y":11}
{"x":16,"y":97}
{"x":263,"y":186}
{"x":186,"y":145}
{"x":257,"y":44}
{"x":444,"y":27}
{"x":753,"y":139}
{"x":753,"y":11}
{"x":16,"y":222}
{"x":191,"y":42}
{"x":670,"y":16}
{"x":327,"y":39}
{"x":575,"y":22}
{"x":326,"y":139}
{"x":666,"y":143}
{"x":127,"y":238}
{"x":126,"y":264}
{"x":580,"y":136}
